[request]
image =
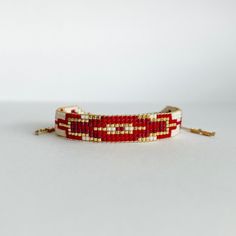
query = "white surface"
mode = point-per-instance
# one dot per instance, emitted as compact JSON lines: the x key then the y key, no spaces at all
{"x":55,"y":187}
{"x":126,"y":50}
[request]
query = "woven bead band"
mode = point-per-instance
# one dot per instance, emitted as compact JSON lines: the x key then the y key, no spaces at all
{"x":73,"y":123}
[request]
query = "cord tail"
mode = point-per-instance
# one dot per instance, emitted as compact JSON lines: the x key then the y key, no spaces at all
{"x":200,"y":131}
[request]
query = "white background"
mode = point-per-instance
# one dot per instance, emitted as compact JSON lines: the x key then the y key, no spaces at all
{"x":166,"y":51}
{"x":117,"y":57}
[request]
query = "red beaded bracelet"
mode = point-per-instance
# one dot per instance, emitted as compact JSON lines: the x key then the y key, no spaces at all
{"x":73,"y":123}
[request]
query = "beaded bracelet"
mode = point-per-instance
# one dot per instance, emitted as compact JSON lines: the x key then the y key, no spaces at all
{"x":74,"y":123}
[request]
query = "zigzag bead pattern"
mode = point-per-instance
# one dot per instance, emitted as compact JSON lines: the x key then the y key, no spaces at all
{"x":73,"y":123}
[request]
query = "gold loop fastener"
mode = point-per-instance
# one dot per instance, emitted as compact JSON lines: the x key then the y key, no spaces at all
{"x":44,"y":131}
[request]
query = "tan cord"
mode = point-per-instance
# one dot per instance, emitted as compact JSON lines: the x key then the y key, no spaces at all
{"x":44,"y":131}
{"x":199,"y":131}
